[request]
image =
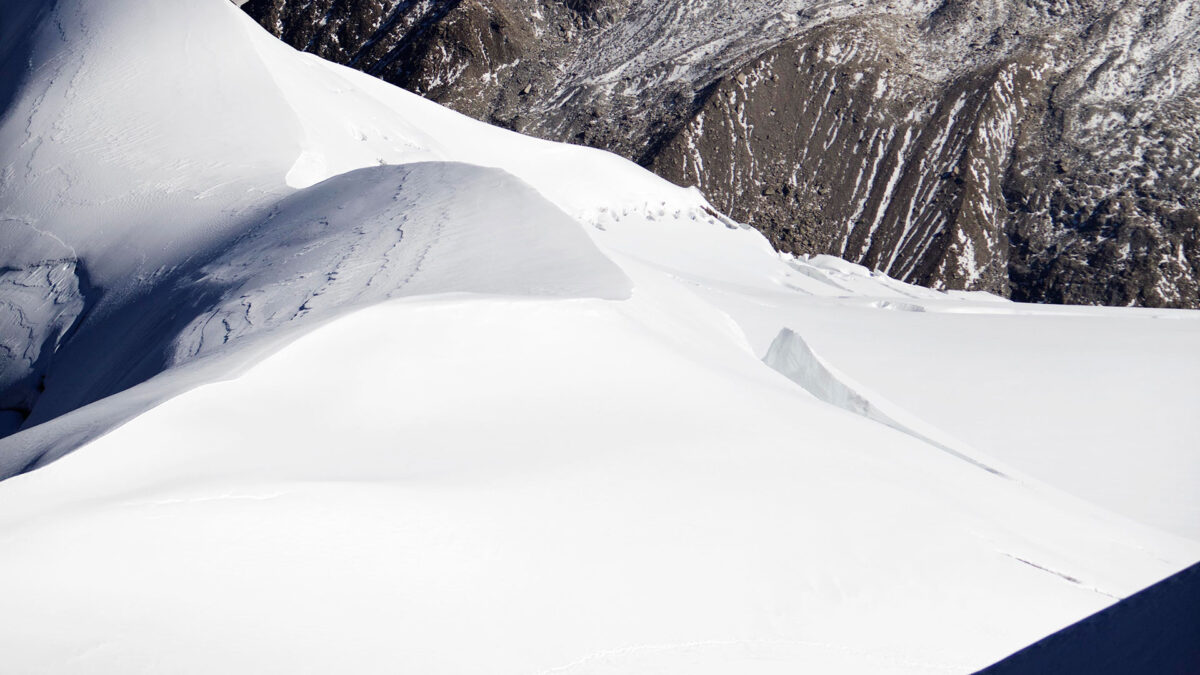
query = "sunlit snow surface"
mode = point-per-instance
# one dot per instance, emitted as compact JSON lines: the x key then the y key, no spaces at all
{"x":429,"y":397}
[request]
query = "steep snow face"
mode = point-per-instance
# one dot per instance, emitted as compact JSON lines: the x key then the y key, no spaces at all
{"x":357,"y":383}
{"x":123,"y":179}
{"x":354,"y":240}
{"x":386,"y":232}
{"x":114,"y":175}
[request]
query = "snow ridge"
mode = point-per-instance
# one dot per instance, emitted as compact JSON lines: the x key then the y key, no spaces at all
{"x":317,"y":357}
{"x":791,"y":356}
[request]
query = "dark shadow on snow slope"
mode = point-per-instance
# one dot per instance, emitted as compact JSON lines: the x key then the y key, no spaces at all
{"x":1154,"y":631}
{"x":17,"y":19}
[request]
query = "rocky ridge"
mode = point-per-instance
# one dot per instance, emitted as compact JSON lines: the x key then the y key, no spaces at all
{"x":1045,"y":150}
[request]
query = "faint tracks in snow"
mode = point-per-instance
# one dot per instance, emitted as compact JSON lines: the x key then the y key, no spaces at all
{"x":1061,"y":575}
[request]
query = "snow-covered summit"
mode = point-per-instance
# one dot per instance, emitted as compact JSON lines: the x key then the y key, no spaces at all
{"x":341,"y":380}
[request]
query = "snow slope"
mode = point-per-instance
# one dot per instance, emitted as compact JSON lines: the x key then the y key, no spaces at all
{"x":1151,"y":631}
{"x":338,"y":380}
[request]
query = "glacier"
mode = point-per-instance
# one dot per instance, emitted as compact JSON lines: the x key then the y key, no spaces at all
{"x":304,"y":373}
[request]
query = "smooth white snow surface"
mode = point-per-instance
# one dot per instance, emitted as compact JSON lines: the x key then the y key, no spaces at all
{"x":406,"y":393}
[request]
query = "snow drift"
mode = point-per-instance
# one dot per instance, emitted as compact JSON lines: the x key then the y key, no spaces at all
{"x":339,"y":380}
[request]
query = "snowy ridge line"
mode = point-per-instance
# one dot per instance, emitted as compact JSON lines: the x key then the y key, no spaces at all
{"x":791,"y":356}
{"x":354,"y":240}
{"x":395,"y":378}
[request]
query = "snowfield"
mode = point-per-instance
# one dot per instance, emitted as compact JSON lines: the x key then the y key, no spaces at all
{"x":310,"y":375}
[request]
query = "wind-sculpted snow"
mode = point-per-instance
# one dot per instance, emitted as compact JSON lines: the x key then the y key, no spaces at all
{"x":120,"y":186}
{"x":357,"y":239}
{"x":313,"y":374}
{"x":791,"y":356}
{"x":374,"y":234}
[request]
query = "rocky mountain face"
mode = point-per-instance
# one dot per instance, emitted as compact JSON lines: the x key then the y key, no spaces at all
{"x":1046,"y":150}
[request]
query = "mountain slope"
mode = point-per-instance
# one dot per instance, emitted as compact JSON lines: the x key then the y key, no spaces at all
{"x":1153,"y":630}
{"x":358,"y":383}
{"x":1040,"y":150}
